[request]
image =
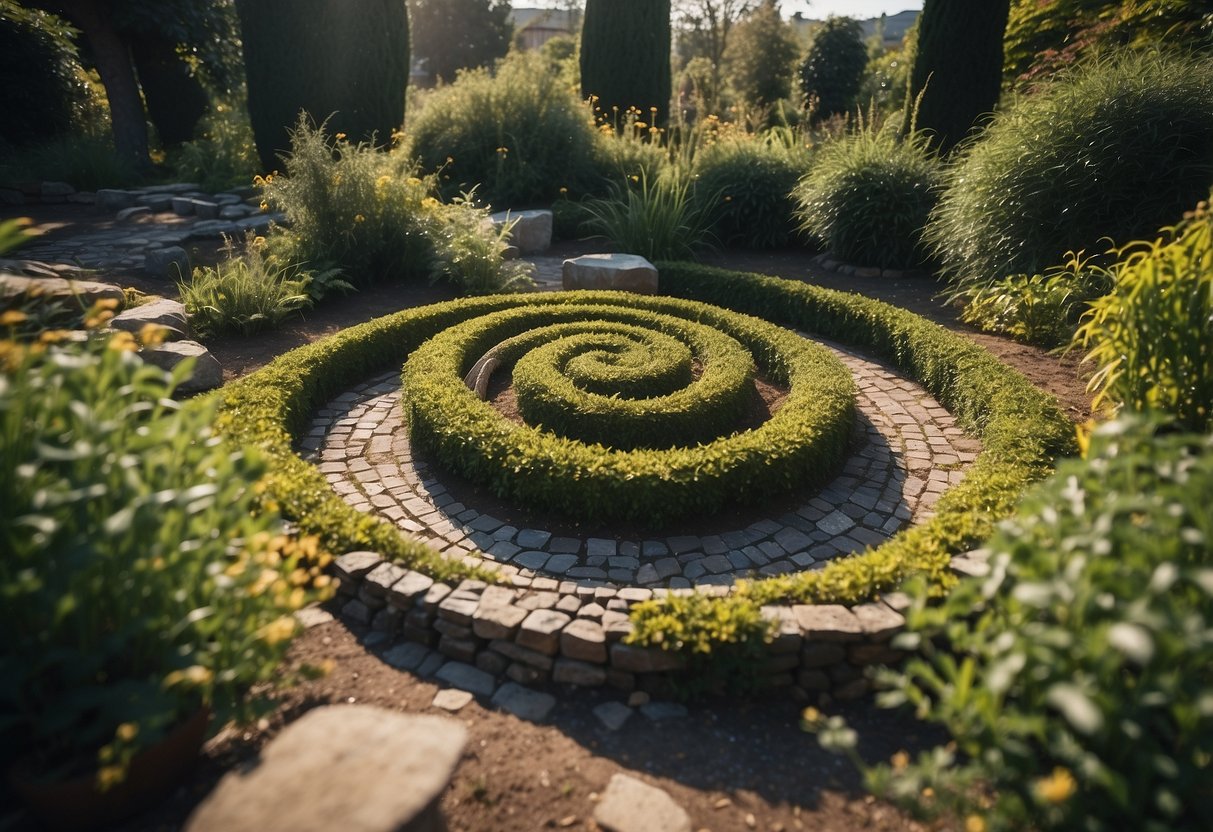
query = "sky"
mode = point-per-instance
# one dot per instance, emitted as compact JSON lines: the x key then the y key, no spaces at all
{"x":860,"y":9}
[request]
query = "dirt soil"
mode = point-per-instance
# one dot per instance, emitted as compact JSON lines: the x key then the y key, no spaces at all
{"x":733,"y":765}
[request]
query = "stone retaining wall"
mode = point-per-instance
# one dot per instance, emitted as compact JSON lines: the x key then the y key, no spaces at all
{"x":564,"y":632}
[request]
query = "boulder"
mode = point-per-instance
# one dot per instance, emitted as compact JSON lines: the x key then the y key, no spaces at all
{"x":169,"y":314}
{"x":624,"y":272}
{"x":351,"y":767}
{"x":207,"y":373}
{"x":57,"y":288}
{"x":531,"y":232}
{"x":112,"y":199}
{"x":631,"y":805}
{"x":170,"y":262}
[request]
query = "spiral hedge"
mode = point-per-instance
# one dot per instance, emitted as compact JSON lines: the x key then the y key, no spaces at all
{"x":1021,"y":428}
{"x":677,"y":455}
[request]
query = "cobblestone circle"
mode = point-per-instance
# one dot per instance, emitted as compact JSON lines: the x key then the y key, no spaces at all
{"x":908,"y":451}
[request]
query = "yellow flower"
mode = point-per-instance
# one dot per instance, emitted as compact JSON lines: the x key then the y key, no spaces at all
{"x":123,"y":341}
{"x":974,"y":823}
{"x":340,"y":136}
{"x":152,"y":334}
{"x":127,"y":731}
{"x":900,"y":760}
{"x":109,"y":776}
{"x":564,"y":190}
{"x":634,"y":178}
{"x":359,"y":218}
{"x":278,"y":630}
{"x":429,"y":202}
{"x":195,"y":675}
{"x":12,"y":317}
{"x":1058,"y":787}
{"x":265,"y":206}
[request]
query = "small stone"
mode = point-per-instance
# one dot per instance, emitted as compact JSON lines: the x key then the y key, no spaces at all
{"x":309,"y":617}
{"x":531,"y":705}
{"x":630,"y":805}
{"x":541,"y":630}
{"x":835,"y":523}
{"x":353,"y":565}
{"x":183,"y":206}
{"x":170,"y":262}
{"x":584,"y":639}
{"x":408,"y":656}
{"x":466,"y":677}
{"x":451,"y":699}
{"x":638,"y":698}
{"x":170,"y":314}
{"x":613,"y":715}
{"x":206,"y":210}
{"x":658,"y":711}
{"x":405,"y":592}
{"x":132,"y":214}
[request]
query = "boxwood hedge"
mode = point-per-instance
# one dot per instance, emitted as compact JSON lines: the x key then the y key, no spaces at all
{"x":801,"y":444}
{"x":1021,"y":428}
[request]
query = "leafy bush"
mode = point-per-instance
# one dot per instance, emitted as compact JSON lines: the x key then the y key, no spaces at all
{"x":869,"y":194}
{"x":655,"y":218}
{"x":369,"y":214}
{"x":244,"y":294}
{"x":516,"y":136}
{"x":1041,"y":309}
{"x":132,"y":562}
{"x":832,"y":70}
{"x":1075,"y":678}
{"x":85,"y":161}
{"x":1114,"y":149}
{"x":747,"y":184}
{"x":223,"y":155}
{"x":1152,"y":335}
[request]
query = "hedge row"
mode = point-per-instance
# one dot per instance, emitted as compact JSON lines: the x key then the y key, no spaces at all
{"x":800,"y":445}
{"x":1021,"y":428}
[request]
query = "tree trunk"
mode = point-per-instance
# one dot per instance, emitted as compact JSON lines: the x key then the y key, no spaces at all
{"x":113,"y":57}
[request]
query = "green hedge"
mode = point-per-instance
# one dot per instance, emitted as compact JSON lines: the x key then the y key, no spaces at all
{"x":1022,"y":428}
{"x":798,"y":446}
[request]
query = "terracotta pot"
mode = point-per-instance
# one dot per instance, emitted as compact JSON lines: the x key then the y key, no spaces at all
{"x":76,"y":804}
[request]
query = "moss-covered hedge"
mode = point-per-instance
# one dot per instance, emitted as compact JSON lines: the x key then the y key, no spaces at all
{"x":801,"y":444}
{"x":1021,"y":428}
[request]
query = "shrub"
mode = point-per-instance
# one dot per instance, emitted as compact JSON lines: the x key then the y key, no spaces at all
{"x":85,"y":161}
{"x":1113,"y":149}
{"x":1041,"y":309}
{"x":1075,"y":678}
{"x":223,"y":155}
{"x":132,"y":562}
{"x":244,"y":294}
{"x":832,"y":70}
{"x":655,"y":218}
{"x":38,"y":62}
{"x":369,"y":214}
{"x":516,"y":136}
{"x":288,"y":49}
{"x":746,"y":183}
{"x":869,"y":193}
{"x":625,"y":55}
{"x":1150,"y":337}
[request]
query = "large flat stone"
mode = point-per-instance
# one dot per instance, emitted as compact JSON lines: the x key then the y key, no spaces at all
{"x":828,"y":622}
{"x":466,"y":677}
{"x":349,"y":767}
{"x":524,"y":703}
{"x":169,"y":314}
{"x":532,"y":230}
{"x":624,"y":272}
{"x":56,"y":288}
{"x":630,"y":805}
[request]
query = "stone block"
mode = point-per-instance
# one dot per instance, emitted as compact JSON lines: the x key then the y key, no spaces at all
{"x":827,"y":622}
{"x":170,"y":262}
{"x":582,"y":674}
{"x":466,"y":677}
{"x":110,"y":199}
{"x":531,"y":705}
{"x":585,"y":640}
{"x":531,"y":232}
{"x":207,"y":373}
{"x":495,"y":620}
{"x":380,"y":771}
{"x":624,"y":272}
{"x":879,"y":621}
{"x":633,"y":659}
{"x":540,"y":631}
{"x":133,"y":214}
{"x":613,"y":715}
{"x":630,"y":805}
{"x":406,"y":591}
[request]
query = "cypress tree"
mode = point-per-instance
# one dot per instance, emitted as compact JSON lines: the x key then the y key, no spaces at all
{"x":625,"y":56}
{"x":346,"y":61}
{"x":960,"y":52}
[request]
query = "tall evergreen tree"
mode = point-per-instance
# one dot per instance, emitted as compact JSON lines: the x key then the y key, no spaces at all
{"x":832,"y":70}
{"x":346,"y":61}
{"x":458,"y":34}
{"x":625,"y":55}
{"x":959,"y":63}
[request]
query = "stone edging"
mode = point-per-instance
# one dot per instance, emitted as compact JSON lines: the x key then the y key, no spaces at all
{"x":565,"y":633}
{"x":831,"y":263}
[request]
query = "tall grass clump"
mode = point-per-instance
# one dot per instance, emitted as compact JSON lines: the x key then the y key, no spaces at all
{"x":746,"y":181}
{"x":1111,"y":149}
{"x":244,"y":294}
{"x":869,"y":193}
{"x":516,"y":135}
{"x":1151,"y":337}
{"x":371,"y":215}
{"x":223,"y":154}
{"x":659,"y":219}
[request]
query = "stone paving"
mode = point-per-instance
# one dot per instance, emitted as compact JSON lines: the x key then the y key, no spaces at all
{"x":908,"y":450}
